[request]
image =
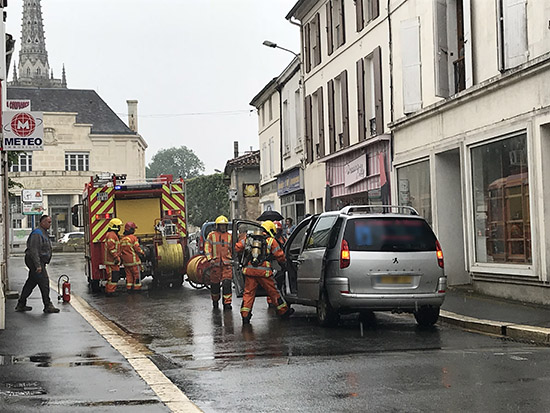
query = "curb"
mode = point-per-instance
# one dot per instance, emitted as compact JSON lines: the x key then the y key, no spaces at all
{"x":534,"y":334}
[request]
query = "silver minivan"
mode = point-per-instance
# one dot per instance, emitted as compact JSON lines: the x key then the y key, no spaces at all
{"x":364,"y":259}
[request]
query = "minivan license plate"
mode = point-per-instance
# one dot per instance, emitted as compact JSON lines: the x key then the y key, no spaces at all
{"x":396,"y":279}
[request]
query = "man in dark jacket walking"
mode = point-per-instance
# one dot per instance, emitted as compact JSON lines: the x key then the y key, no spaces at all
{"x":37,"y":255}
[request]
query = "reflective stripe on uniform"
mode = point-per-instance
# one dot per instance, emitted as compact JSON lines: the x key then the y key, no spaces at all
{"x":283,"y":305}
{"x":245,"y":309}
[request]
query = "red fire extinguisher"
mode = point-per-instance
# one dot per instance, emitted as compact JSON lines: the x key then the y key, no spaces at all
{"x":64,"y":290}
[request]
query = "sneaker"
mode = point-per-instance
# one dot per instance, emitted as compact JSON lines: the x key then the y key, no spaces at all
{"x":227,"y":307}
{"x":20,"y":307}
{"x":51,"y":309}
{"x":288,"y":313}
{"x":246,"y":320}
{"x":215,"y":305}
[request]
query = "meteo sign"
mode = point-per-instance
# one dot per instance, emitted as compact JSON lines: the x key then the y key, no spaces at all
{"x":23,"y":131}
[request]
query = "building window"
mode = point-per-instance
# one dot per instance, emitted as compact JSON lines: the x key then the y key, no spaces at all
{"x":336,"y":35}
{"x":414,"y":188}
{"x":270,"y":107}
{"x":77,"y":161}
{"x":338,"y":112}
{"x":286,"y":128}
{"x":24,"y":163}
{"x":501,"y":201}
{"x":512,"y":33}
{"x":411,"y":65}
{"x":365,"y":11}
{"x":369,"y":94}
{"x":312,"y":43}
{"x":453,"y":47}
{"x":298,"y":119}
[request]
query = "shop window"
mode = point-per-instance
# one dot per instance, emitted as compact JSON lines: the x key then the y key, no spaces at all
{"x":414,"y":188}
{"x":501,"y":201}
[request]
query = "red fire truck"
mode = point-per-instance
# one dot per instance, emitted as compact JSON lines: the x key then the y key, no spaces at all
{"x":157,"y":207}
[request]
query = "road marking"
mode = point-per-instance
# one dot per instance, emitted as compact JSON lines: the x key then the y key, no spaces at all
{"x":136,"y":354}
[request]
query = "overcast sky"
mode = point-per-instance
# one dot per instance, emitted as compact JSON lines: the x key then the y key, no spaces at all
{"x":194,"y":65}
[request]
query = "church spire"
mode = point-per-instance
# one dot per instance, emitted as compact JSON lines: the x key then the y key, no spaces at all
{"x":63,"y":77}
{"x":34,"y":68}
{"x":14,"y":79}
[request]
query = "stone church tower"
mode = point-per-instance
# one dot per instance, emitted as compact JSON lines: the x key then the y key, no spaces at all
{"x":34,"y":69}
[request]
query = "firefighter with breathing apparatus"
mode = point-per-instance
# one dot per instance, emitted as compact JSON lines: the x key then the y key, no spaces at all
{"x":259,"y":249}
{"x":130,"y":252}
{"x":217,"y":250}
{"x":111,"y":256}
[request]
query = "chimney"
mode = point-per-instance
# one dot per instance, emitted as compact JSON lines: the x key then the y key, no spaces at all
{"x":235,"y":149}
{"x":132,"y":115}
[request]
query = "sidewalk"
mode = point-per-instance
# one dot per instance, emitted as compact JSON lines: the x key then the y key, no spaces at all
{"x":473,"y":311}
{"x":60,"y":363}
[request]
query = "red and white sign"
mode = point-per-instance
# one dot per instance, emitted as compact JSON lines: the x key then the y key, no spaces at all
{"x":19,"y":105}
{"x":23,"y":131}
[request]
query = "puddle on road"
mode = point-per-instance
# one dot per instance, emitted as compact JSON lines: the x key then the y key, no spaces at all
{"x":46,"y":360}
{"x":21,"y":388}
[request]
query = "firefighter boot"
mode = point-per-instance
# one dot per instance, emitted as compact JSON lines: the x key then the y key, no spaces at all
{"x":287,"y":313}
{"x":22,"y":307}
{"x":227,"y":307}
{"x":246,"y":320}
{"x":215,"y":304}
{"x":51,"y":309}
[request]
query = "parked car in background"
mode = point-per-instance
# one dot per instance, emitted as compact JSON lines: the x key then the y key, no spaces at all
{"x":70,"y":236}
{"x":364,"y":259}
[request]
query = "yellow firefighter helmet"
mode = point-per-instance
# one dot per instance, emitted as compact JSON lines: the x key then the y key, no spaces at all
{"x":222,"y":219}
{"x":270,"y":228}
{"x":115,"y":224}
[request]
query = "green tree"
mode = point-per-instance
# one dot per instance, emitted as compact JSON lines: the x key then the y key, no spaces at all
{"x":180,"y":162}
{"x":207,"y":197}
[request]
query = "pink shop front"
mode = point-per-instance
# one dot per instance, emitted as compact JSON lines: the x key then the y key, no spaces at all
{"x":359,"y":175}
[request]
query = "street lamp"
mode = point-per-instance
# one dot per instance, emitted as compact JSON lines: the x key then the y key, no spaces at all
{"x":276,"y":46}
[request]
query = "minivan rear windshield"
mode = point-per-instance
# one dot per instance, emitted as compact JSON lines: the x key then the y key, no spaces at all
{"x":389,"y":234}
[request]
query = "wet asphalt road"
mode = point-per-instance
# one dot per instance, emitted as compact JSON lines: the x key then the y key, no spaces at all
{"x":295,"y":365}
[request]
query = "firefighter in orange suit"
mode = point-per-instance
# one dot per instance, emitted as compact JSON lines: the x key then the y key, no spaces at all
{"x":130,"y":252}
{"x":258,"y":248}
{"x":111,"y":256}
{"x":218,"y":252}
{"x":281,"y":239}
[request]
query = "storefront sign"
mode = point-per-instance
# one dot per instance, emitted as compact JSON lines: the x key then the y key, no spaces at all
{"x":289,"y":182}
{"x":355,"y":171}
{"x":19,"y":105}
{"x":23,"y":131}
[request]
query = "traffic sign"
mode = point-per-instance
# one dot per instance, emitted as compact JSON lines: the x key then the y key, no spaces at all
{"x":23,"y":131}
{"x":31,"y":195}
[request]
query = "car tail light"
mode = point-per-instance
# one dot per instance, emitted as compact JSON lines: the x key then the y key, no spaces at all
{"x":344,"y":255}
{"x":439,"y":253}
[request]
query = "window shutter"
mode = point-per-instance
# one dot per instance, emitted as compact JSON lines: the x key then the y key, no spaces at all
{"x":359,"y":15}
{"x":318,"y":35}
{"x":342,"y":32}
{"x":360,"y":65}
{"x":468,"y":54}
{"x":345,"y":106}
{"x":321,"y":122}
{"x":307,"y":47}
{"x":307,"y":119}
{"x":441,"y":50}
{"x":410,"y":58}
{"x":331,"y":126}
{"x":375,"y":9}
{"x":378,"y":100}
{"x":330,"y":42}
{"x":515,"y":32}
